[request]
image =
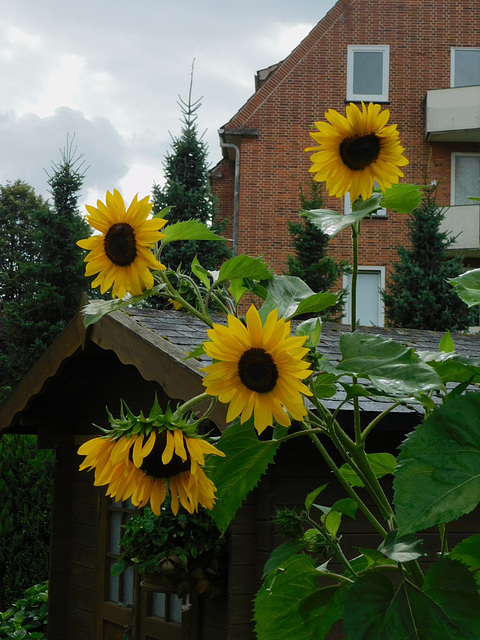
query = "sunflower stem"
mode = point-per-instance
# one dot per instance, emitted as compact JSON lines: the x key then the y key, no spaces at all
{"x":353,"y":296}
{"x":174,"y":293}
{"x":348,"y":488}
{"x":354,"y":454}
{"x":189,"y":404}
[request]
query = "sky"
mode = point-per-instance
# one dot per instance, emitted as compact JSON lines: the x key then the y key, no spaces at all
{"x":108,"y":75}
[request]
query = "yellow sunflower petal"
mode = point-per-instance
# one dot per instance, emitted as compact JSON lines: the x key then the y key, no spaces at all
{"x":258,"y":370}
{"x":121,"y":254}
{"x":352,"y":148}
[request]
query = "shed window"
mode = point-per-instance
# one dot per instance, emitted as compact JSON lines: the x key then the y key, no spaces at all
{"x":119,"y":588}
{"x":367,"y":72}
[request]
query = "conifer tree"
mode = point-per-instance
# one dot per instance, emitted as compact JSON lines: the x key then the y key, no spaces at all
{"x":419,"y":296}
{"x":310,"y":262}
{"x":41,"y":268}
{"x":186,"y":190}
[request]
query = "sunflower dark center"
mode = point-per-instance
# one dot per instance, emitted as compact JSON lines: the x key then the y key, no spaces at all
{"x":257,"y":370}
{"x":358,"y":152}
{"x":120,"y":244}
{"x":152,"y":465}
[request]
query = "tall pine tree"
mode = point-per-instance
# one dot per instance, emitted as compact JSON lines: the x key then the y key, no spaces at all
{"x":419,"y":296}
{"x":311,"y":262}
{"x":41,"y":268}
{"x":187,"y":191}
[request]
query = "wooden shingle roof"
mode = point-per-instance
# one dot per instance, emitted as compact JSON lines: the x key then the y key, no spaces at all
{"x":156,"y":343}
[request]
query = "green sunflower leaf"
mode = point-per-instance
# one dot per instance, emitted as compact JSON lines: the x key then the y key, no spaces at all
{"x":402,"y":197}
{"x":188,"y":230}
{"x":331,"y":222}
{"x":244,"y":267}
{"x":447,"y":606}
{"x":401,"y":548}
{"x":468,"y":552}
{"x":453,"y":367}
{"x":292,"y":297}
{"x":291,"y":605}
{"x":391,"y":367}
{"x":202,"y":274}
{"x":437,"y":478}
{"x":246,"y":460}
{"x":96,"y":309}
{"x":281,"y":554}
{"x":382,"y":464}
{"x":467,"y":287}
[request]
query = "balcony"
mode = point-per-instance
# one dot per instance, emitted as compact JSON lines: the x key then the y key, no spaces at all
{"x":453,"y":115}
{"x":463,"y":221}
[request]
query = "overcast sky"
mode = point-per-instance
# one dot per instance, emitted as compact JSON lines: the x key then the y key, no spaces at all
{"x":110,"y":73}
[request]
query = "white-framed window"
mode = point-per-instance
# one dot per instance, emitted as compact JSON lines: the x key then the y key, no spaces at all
{"x":347,"y":207}
{"x":370,"y":310}
{"x":464,"y":66}
{"x":465,"y":177}
{"x":367,"y":72}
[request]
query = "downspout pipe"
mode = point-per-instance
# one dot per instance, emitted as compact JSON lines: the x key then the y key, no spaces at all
{"x":236,"y":148}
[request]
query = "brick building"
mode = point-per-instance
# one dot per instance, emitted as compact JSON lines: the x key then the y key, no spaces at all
{"x":422,"y":62}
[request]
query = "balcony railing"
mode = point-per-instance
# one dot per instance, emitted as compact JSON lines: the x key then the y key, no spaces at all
{"x":463,"y":222}
{"x":453,"y":115}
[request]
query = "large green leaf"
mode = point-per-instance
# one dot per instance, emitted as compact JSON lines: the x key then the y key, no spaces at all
{"x":391,"y":367}
{"x":281,"y":554}
{"x":188,"y":230}
{"x":401,"y":548}
{"x":452,"y":367}
{"x":402,"y":197}
{"x":244,"y":267}
{"x":96,"y":309}
{"x":468,"y":552}
{"x":331,"y":222}
{"x":447,"y":607}
{"x":292,"y":297}
{"x":382,"y":464}
{"x":290,"y":604}
{"x":246,"y":460}
{"x":437,"y":478}
{"x":467,"y":286}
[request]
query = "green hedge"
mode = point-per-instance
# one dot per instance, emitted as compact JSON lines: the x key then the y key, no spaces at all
{"x":26,"y":482}
{"x":27,"y":618}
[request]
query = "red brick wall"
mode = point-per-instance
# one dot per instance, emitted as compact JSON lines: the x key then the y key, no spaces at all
{"x":313,"y":79}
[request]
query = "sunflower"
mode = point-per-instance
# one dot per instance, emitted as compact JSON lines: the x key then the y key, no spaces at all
{"x":144,"y":465}
{"x":120,"y":254}
{"x":357,"y":150}
{"x":258,"y":369}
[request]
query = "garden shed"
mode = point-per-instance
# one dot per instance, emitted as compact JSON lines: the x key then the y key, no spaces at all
{"x":136,"y":355}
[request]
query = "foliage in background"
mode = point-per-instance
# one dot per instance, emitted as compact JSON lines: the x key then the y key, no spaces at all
{"x":26,"y":482}
{"x":419,"y":296}
{"x":187,"y":191}
{"x":187,"y":549}
{"x":41,"y":269}
{"x":311,"y":262}
{"x":27,"y":618}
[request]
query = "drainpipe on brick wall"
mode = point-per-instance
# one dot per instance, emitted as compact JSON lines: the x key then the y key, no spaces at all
{"x":236,"y":148}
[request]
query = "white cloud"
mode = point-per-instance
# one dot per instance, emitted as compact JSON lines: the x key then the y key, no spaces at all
{"x":112,"y":71}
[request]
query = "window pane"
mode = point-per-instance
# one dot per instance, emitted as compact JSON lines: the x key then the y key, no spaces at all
{"x":467,"y":176}
{"x":467,"y":67}
{"x":368,"y":73}
{"x":175,"y":608}
{"x":158,"y":605}
{"x":113,"y":584}
{"x":128,"y":585}
{"x":115,"y":531}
